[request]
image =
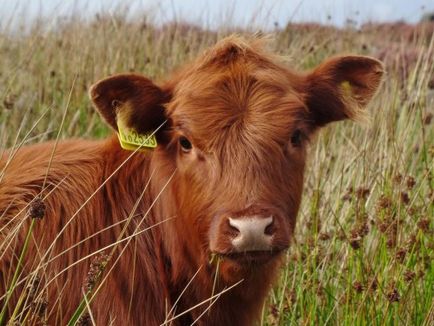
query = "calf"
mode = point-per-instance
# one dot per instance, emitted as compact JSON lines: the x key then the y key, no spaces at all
{"x":188,"y":207}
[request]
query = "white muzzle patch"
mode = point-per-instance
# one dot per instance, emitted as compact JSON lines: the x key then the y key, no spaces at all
{"x":251,"y":235}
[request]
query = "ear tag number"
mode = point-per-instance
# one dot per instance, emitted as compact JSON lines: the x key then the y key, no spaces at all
{"x":346,"y":88}
{"x":130,"y":139}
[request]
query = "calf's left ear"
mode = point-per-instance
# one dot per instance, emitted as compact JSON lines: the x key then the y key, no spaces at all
{"x":133,"y":99}
{"x":341,"y":87}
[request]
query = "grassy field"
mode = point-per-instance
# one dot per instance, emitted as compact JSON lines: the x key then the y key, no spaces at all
{"x":364,"y":246}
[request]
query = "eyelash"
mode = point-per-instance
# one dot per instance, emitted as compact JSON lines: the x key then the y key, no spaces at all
{"x":297,"y":138}
{"x":185,"y":144}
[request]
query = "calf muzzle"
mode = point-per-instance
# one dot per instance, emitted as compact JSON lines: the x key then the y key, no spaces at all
{"x":252,"y":234}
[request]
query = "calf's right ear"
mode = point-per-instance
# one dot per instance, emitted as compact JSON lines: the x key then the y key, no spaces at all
{"x":132,"y":99}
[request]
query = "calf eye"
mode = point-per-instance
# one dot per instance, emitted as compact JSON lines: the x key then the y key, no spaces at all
{"x":185,"y":144}
{"x":296,"y":138}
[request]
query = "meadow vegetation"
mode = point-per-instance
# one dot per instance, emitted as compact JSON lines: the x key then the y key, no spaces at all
{"x":364,"y":244}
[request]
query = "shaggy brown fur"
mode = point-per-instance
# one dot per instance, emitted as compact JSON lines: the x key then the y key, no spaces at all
{"x":248,"y":119}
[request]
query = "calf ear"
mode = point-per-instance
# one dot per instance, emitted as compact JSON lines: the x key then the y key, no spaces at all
{"x":341,"y":87}
{"x":133,"y":99}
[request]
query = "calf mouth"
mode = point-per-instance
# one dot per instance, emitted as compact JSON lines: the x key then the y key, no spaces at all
{"x":250,"y":257}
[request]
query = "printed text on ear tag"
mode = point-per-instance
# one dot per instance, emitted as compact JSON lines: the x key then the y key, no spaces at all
{"x":130,"y":139}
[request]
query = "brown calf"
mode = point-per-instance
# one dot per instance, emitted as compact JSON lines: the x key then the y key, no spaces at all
{"x":206,"y":214}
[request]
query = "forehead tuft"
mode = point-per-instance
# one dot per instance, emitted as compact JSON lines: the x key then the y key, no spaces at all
{"x":234,"y":61}
{"x":234,"y":50}
{"x":237,"y":88}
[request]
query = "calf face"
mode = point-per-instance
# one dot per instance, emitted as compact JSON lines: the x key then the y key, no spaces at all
{"x":233,"y":128}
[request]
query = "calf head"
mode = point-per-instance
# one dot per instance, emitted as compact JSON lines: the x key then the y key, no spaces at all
{"x":234,"y":126}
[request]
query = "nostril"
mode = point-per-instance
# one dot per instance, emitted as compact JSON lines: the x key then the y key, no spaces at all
{"x":234,"y":231}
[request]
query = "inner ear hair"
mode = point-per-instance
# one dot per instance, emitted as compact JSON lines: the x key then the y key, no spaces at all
{"x":133,"y":98}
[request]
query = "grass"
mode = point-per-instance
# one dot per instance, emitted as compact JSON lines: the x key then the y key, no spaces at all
{"x":364,"y":244}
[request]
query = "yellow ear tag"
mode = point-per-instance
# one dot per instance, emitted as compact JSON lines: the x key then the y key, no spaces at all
{"x":346,"y":87}
{"x":130,"y":139}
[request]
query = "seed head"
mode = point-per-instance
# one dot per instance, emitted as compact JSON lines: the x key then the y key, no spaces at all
{"x":382,"y":226}
{"x":409,"y":276}
{"x":393,"y":295}
{"x":320,"y":290}
{"x":373,"y":284}
{"x":421,"y":274}
{"x":349,"y":194}
{"x":363,"y":229}
{"x":427,"y":118}
{"x":84,"y":320}
{"x":40,"y":306}
{"x":358,"y":286}
{"x":413,"y":242}
{"x":384,"y":202}
{"x":410,"y":182}
{"x":96,"y":269}
{"x":405,"y":199}
{"x":354,"y":233}
{"x":324,"y":236}
{"x":430,"y":196}
{"x":412,"y":210}
{"x":391,"y":241}
{"x":347,"y":197}
{"x":341,"y":235}
{"x":362,"y":192}
{"x":9,"y":102}
{"x":292,"y":297}
{"x":400,"y":254}
{"x":355,"y":243}
{"x":397,"y":178}
{"x":33,"y":287}
{"x":423,"y":224}
{"x":36,"y":208}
